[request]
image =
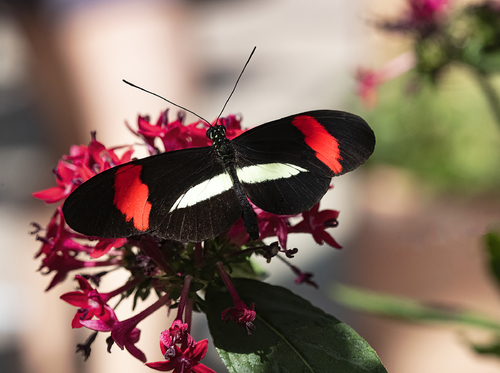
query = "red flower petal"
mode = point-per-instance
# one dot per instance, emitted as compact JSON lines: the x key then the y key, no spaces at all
{"x":163,"y":366}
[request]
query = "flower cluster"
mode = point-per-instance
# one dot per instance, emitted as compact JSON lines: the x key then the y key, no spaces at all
{"x":441,"y":37}
{"x":422,"y":17}
{"x":174,"y":271}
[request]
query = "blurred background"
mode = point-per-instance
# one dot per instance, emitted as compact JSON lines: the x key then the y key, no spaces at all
{"x":411,"y":219}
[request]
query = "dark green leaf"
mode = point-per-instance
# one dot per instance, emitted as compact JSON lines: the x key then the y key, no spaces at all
{"x":488,"y":349}
{"x":493,"y":248}
{"x":291,"y":335}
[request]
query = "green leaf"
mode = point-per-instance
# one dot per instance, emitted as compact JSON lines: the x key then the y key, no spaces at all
{"x":488,"y":349}
{"x":407,"y":309}
{"x":493,"y":248}
{"x":291,"y":334}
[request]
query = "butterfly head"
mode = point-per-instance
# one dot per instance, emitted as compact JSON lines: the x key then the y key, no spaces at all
{"x":216,"y":133}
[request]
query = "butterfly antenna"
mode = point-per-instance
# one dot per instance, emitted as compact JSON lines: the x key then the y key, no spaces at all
{"x":170,"y":102}
{"x":237,"y":81}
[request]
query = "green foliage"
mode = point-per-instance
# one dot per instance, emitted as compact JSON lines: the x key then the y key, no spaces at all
{"x":492,"y":348}
{"x":433,"y":55}
{"x":291,"y":335}
{"x":476,"y":35}
{"x":412,"y":311}
{"x":444,"y":134}
{"x":408,"y":309}
{"x":493,"y":249}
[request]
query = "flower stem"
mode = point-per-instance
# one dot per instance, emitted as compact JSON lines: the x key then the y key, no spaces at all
{"x":227,"y":281}
{"x":129,"y":285}
{"x":490,"y":93}
{"x":184,"y":297}
{"x":188,"y":313}
{"x":151,"y":309}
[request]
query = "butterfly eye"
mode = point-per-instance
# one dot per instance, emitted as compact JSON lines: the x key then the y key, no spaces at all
{"x":210,"y":133}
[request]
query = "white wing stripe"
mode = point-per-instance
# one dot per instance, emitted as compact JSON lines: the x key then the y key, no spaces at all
{"x":266,"y":172}
{"x":203,"y":191}
{"x":221,"y":183}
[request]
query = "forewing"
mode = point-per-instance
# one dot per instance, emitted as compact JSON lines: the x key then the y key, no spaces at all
{"x":286,"y":165}
{"x":182,"y":195}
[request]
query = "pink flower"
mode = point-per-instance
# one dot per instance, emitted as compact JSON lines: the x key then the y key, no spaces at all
{"x":232,"y":124}
{"x":105,"y":245}
{"x":369,"y":80}
{"x":177,"y":135}
{"x":125,"y":333}
{"x":184,"y":361}
{"x":157,"y":265}
{"x":426,"y":11}
{"x":303,"y":277}
{"x":59,"y":237}
{"x":424,"y":17}
{"x":241,"y":313}
{"x":63,"y":263}
{"x":238,"y":233}
{"x":82,"y":163}
{"x":271,"y":225}
{"x":176,"y":334}
{"x":368,"y":83}
{"x":64,"y":176}
{"x":315,"y":222}
{"x":60,"y":249}
{"x":174,"y":135}
{"x":102,"y":158}
{"x":89,"y":302}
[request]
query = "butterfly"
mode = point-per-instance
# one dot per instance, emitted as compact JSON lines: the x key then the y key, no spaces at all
{"x":283,"y":167}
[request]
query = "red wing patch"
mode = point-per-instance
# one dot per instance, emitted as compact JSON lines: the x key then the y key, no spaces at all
{"x":131,"y":196}
{"x":318,"y":139}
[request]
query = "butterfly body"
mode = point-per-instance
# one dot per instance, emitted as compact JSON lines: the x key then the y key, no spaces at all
{"x":283,"y":167}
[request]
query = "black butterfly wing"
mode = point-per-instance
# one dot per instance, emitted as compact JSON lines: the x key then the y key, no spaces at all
{"x":184,"y":195}
{"x":286,"y":165}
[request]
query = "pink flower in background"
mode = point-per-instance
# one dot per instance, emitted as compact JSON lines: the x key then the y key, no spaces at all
{"x":368,"y":80}
{"x":368,"y":83}
{"x":426,"y":11}
{"x":421,"y":16}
